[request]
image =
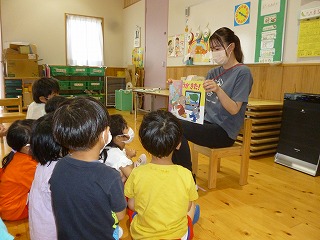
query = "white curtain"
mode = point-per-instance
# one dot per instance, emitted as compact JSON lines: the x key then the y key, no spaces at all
{"x":84,"y":41}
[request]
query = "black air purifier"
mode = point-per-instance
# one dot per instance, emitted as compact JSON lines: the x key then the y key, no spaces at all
{"x":299,"y":141}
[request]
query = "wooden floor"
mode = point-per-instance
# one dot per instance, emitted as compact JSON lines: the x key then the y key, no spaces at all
{"x":278,"y":203}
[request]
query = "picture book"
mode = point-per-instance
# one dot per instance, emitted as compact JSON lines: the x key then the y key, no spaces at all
{"x":187,"y":99}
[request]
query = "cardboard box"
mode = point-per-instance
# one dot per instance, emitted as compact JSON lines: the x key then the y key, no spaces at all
{"x":27,"y":99}
{"x":24,"y":48}
{"x":21,"y":68}
{"x":13,"y":54}
{"x":21,"y":56}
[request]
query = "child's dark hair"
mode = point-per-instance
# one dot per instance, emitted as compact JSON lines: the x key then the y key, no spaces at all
{"x":117,"y":125}
{"x":77,"y":125}
{"x":226,"y":35}
{"x":44,"y":148}
{"x":53,"y":103}
{"x":160,"y":133}
{"x":18,"y":136}
{"x":43,"y":87}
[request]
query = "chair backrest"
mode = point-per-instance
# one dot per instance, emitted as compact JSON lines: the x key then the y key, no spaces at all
{"x":12,"y":102}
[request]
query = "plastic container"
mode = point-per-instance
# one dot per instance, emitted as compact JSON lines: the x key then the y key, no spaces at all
{"x":94,"y":85}
{"x":123,"y":100}
{"x":78,"y":85}
{"x":59,"y":70}
{"x":96,"y":71}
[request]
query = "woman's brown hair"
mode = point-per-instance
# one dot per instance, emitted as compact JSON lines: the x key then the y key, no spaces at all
{"x":227,"y":36}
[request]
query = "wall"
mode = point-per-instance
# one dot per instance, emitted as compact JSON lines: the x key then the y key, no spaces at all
{"x":43,"y":23}
{"x":133,"y":16}
{"x":220,"y":13}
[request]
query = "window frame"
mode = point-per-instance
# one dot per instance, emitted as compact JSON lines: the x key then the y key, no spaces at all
{"x":66,"y":33}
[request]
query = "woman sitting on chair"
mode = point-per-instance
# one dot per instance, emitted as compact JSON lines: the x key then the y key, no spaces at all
{"x":227,"y":90}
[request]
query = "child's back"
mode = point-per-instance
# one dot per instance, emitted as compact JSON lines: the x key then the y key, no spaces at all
{"x":84,"y":195}
{"x":47,"y":152}
{"x":18,"y":169}
{"x":87,"y":196}
{"x":162,"y":194}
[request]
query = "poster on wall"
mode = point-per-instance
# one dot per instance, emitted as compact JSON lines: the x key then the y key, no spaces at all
{"x":242,"y":14}
{"x":270,"y":31}
{"x":137,"y":57}
{"x":309,"y":32}
{"x":175,"y":46}
{"x":137,"y":37}
{"x":198,"y":46}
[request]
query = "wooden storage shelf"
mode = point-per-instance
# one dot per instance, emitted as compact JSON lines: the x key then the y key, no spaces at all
{"x":266,"y":123}
{"x":19,"y":86}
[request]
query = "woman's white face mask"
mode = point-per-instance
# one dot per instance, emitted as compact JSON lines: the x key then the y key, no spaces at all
{"x":220,"y":57}
{"x":130,"y":135}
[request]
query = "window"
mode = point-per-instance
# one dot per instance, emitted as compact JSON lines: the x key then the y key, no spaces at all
{"x":84,"y":40}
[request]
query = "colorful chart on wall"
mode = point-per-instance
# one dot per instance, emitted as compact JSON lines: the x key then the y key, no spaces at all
{"x":270,"y":30}
{"x":175,"y":46}
{"x":309,"y":38}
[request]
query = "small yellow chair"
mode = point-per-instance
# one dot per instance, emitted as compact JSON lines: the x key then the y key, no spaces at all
{"x":215,"y":154}
{"x":8,"y":117}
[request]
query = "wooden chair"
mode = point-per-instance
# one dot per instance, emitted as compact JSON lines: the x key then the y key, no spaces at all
{"x":8,"y":117}
{"x":215,"y":154}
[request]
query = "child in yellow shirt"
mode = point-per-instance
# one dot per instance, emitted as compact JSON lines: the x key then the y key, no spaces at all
{"x":162,"y":194}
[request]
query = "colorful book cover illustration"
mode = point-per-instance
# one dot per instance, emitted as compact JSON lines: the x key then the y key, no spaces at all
{"x":187,"y":99}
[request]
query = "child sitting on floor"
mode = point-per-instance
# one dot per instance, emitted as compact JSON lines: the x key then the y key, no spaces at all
{"x":18,"y":169}
{"x":161,"y":193}
{"x":87,"y":196}
{"x":116,"y":155}
{"x":42,"y":90}
{"x":53,"y":103}
{"x":47,"y":152}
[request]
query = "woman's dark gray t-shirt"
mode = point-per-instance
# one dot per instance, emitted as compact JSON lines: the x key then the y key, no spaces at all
{"x":236,"y":83}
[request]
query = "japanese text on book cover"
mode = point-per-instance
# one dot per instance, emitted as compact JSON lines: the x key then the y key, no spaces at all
{"x":187,"y":99}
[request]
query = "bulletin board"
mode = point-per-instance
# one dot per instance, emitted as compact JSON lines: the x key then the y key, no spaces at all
{"x":270,"y":30}
{"x":309,"y":38}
